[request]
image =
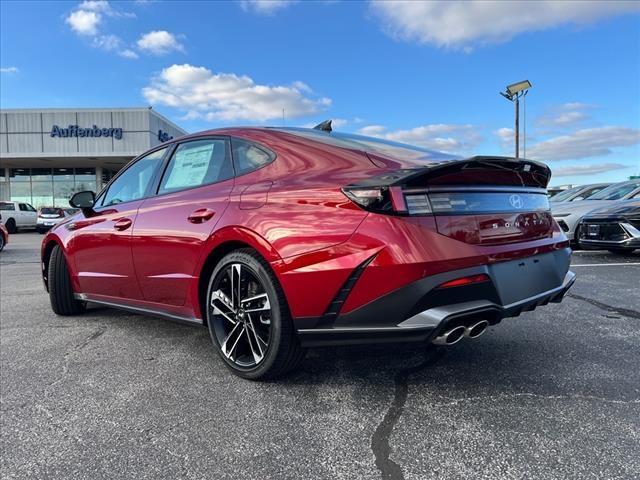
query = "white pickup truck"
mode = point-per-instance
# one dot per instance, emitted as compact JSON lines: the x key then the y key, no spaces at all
{"x":18,"y":215}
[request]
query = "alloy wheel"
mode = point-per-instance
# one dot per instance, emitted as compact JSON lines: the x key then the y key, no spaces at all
{"x":240,"y":312}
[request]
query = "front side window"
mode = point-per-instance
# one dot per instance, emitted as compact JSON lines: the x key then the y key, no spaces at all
{"x":134,"y":182}
{"x":248,"y":157}
{"x":197,"y":163}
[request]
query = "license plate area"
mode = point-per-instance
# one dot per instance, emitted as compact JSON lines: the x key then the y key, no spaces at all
{"x":517,"y":280}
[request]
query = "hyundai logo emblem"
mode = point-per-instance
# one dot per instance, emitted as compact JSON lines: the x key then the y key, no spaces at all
{"x":515,"y":201}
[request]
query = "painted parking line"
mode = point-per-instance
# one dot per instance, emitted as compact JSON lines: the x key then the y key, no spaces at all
{"x":604,"y":264}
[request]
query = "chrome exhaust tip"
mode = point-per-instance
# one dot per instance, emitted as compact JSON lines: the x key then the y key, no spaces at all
{"x":477,"y":329}
{"x":450,"y":336}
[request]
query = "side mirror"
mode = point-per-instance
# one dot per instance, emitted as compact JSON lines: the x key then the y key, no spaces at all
{"x":577,"y":199}
{"x":83,"y":200}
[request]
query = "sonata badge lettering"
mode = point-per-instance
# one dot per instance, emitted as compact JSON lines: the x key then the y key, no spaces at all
{"x":95,"y":131}
{"x":523,"y":221}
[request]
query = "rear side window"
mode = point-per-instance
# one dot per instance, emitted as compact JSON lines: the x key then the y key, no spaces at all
{"x":249,"y":156}
{"x":7,"y":206}
{"x":197,"y":163}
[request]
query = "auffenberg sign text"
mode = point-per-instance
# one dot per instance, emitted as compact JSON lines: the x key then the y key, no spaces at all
{"x":76,"y":131}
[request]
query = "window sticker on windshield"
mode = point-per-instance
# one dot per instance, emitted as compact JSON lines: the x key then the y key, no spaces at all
{"x":190,"y":166}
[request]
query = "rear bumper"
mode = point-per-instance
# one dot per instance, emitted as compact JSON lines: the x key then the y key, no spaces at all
{"x":420,"y":312}
{"x":630,"y":244}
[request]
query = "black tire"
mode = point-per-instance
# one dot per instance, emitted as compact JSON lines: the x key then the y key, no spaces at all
{"x":60,"y":292}
{"x":1,"y":241}
{"x":283,"y":351}
{"x":11,"y":226}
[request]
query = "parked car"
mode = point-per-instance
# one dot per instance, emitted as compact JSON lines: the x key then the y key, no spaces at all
{"x":553,"y":191}
{"x":569,"y":214}
{"x":578,"y":193}
{"x":18,"y":215}
{"x":48,"y":217}
{"x":4,"y":235}
{"x":615,"y":228}
{"x":280,"y":239}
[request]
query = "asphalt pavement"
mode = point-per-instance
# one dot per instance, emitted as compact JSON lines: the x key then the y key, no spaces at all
{"x":552,"y":394}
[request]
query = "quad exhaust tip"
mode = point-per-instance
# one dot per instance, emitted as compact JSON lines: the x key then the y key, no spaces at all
{"x":450,"y":337}
{"x":453,"y":336}
{"x":477,"y":329}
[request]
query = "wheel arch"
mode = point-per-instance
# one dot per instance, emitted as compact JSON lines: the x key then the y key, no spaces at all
{"x":220,"y":244}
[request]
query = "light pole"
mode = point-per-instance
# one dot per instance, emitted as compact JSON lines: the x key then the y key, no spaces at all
{"x":513,"y":93}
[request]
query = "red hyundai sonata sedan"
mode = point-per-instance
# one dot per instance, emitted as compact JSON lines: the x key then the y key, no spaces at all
{"x":280,"y":239}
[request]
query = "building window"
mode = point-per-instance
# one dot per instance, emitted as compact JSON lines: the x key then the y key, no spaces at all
{"x":85,"y":179}
{"x":46,"y":187}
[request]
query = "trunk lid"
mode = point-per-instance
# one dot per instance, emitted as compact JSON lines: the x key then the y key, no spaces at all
{"x":480,"y":200}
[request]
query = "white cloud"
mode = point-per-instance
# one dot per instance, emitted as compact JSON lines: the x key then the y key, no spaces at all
{"x":84,"y":22}
{"x":265,"y":7}
{"x":128,"y":53}
{"x":107,"y":42}
{"x":565,"y":115}
{"x":505,"y":134}
{"x":226,"y":96}
{"x":372,"y":130}
{"x":587,"y":169}
{"x":159,"y":42}
{"x":439,"y":136}
{"x":103,"y":6}
{"x":9,"y":70}
{"x":585,"y":143}
{"x":463,"y":24}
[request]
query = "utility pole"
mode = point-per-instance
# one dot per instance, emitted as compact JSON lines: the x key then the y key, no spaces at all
{"x":517,"y":127}
{"x":513,"y":93}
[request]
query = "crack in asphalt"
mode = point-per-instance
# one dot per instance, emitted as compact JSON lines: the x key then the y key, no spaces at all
{"x":620,"y":311}
{"x":78,"y":347}
{"x":389,"y":469}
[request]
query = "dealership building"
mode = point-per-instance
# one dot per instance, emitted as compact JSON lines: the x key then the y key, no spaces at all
{"x":47,"y":155}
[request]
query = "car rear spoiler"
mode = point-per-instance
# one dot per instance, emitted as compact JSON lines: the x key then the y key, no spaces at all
{"x":477,"y":171}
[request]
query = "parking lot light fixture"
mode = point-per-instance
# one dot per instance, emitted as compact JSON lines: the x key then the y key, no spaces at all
{"x":518,"y":87}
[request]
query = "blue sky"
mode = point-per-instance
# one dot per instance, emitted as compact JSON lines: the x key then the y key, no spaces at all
{"x":426,"y":73}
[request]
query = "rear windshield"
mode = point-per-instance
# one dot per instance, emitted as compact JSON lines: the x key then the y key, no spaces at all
{"x":409,"y":154}
{"x":615,"y":192}
{"x":50,"y":211}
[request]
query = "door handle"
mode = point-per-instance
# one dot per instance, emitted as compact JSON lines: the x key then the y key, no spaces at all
{"x":201,"y":215}
{"x":122,"y":224}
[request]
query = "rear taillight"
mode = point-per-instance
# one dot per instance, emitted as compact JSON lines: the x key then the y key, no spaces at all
{"x":390,"y":200}
{"x":377,"y":199}
{"x":418,"y":204}
{"x":398,"y":200}
{"x":463,"y":281}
